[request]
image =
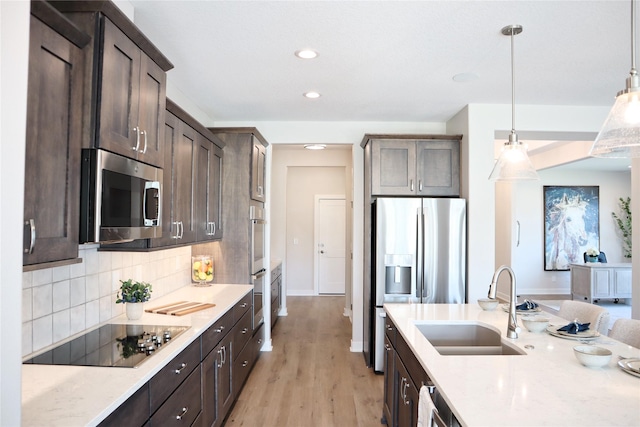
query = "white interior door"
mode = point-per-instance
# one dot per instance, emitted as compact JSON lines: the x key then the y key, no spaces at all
{"x":330,"y":239}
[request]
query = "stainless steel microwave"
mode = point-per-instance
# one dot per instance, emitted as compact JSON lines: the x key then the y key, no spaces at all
{"x":120,"y":198}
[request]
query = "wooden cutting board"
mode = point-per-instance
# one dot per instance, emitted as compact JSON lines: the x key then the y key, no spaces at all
{"x":180,"y":308}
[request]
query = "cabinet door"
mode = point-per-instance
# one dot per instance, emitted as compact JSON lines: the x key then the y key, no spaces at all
{"x":438,"y":168}
{"x":602,"y":283}
{"x":210,"y":414}
{"x":178,"y":180}
{"x":222,"y":362}
{"x":207,"y":191}
{"x":117,"y":119}
{"x":390,"y":395}
{"x":393,"y":167}
{"x":151,"y":112}
{"x":258,"y":161}
{"x":407,"y":402}
{"x":53,"y":141}
{"x":622,"y":288}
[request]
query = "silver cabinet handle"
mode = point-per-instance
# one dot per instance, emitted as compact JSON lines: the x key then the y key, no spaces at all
{"x":518,"y":242}
{"x":260,"y":190}
{"x":137,"y":131}
{"x":245,"y":330}
{"x":184,"y":412}
{"x":180,"y":369}
{"x":243,"y":305}
{"x":245,"y":363}
{"x":144,"y":133}
{"x":220,"y":329}
{"x":224,"y":354}
{"x":177,"y":235}
{"x":387,"y":347}
{"x":420,"y":186}
{"x":220,"y":363}
{"x":411,"y":184}
{"x":32,"y":235}
{"x":404,"y":391}
{"x":181,"y":230}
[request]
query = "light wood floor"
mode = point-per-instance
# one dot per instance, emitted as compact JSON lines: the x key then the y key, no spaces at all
{"x":310,"y":378}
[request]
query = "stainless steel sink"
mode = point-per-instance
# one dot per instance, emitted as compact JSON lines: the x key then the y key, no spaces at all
{"x":467,"y":339}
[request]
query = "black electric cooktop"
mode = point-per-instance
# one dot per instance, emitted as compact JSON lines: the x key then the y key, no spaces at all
{"x":125,"y":346}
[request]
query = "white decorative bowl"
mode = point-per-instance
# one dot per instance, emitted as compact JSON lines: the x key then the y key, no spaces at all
{"x":592,"y":356}
{"x":488,"y":303}
{"x":535,"y":323}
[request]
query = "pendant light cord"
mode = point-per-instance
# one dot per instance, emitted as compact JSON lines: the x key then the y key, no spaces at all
{"x":513,"y":88}
{"x":633,"y":38}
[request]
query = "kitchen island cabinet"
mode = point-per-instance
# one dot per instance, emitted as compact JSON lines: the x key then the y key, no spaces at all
{"x":593,"y":281}
{"x":57,"y":395}
{"x":547,"y":385}
{"x":53,"y":138}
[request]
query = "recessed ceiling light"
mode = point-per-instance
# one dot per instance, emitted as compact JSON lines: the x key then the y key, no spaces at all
{"x":306,"y":54}
{"x":315,"y":146}
{"x":312,"y":95}
{"x":465,"y":77}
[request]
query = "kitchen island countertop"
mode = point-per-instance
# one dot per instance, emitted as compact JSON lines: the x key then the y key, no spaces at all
{"x":547,"y":386}
{"x":55,"y":395}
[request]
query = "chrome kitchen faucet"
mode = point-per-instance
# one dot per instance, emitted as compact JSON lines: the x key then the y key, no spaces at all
{"x":512,"y":327}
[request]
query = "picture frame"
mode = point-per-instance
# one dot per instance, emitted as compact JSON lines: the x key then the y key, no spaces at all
{"x":571,"y":224}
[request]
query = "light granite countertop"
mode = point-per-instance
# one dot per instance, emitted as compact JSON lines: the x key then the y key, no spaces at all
{"x":80,"y":396}
{"x":547,"y":386}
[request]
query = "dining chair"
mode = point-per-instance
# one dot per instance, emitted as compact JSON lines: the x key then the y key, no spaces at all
{"x":598,"y":317}
{"x":627,"y":331}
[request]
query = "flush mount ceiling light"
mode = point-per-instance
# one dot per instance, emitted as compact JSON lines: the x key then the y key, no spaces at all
{"x":315,"y":146}
{"x":306,"y":54}
{"x":513,"y":163}
{"x":311,"y":95}
{"x":620,"y":133}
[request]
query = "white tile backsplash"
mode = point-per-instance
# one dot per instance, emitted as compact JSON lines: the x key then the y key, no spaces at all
{"x":63,"y":301}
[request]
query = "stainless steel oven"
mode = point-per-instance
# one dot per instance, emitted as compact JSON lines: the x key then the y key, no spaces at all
{"x":258,"y":268}
{"x":120,"y":198}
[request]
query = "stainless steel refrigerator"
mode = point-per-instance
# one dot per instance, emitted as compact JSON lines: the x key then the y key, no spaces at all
{"x":419,"y":256}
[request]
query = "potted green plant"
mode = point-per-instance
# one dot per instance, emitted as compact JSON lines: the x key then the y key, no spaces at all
{"x":623,"y":221}
{"x":592,"y":255}
{"x":133,"y":293}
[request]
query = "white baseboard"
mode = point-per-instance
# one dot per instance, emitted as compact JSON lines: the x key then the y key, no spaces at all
{"x":356,"y":346}
{"x":283,"y":312}
{"x":267,"y":346}
{"x":347,"y":313}
{"x":300,"y":293}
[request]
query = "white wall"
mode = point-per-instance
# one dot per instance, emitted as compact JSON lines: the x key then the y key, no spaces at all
{"x":14,"y":51}
{"x":524,"y":203}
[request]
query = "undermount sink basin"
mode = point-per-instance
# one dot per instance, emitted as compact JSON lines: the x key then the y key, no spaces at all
{"x":467,"y":339}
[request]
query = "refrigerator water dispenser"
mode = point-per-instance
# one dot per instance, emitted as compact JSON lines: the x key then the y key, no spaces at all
{"x":398,"y":274}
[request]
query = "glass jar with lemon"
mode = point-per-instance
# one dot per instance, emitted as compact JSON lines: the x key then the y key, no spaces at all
{"x":202,"y":270}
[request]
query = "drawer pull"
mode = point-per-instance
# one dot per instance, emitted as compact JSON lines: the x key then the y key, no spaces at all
{"x":245,"y":330}
{"x":220,"y":329}
{"x":179,"y":371}
{"x":184,"y":412}
{"x":243,"y":305}
{"x":245,"y":363}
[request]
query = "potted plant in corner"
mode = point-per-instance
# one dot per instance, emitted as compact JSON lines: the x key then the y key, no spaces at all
{"x":134,"y":294}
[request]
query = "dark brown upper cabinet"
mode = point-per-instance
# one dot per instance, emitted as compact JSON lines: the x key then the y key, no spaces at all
{"x":53,"y":138}
{"x":125,"y":83}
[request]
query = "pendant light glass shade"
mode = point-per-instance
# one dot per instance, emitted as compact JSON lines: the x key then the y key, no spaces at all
{"x":620,"y":134}
{"x":514,"y":163}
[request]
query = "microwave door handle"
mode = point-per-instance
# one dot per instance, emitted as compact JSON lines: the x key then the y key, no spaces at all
{"x":151,"y":187}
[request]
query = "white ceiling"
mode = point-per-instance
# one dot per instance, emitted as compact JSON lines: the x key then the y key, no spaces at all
{"x":387,"y":60}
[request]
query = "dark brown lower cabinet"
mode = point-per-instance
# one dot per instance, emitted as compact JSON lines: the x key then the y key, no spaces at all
{"x":199,"y":386}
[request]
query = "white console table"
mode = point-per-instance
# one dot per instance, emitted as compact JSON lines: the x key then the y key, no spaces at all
{"x":593,"y":281}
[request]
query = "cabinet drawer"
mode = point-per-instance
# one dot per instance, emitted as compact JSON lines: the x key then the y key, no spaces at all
{"x":133,"y":412}
{"x":390,"y":330}
{"x":170,"y":377}
{"x":276,"y":272}
{"x":184,"y":406}
{"x":212,"y":336}
{"x":242,"y":307}
{"x":242,"y":333}
{"x":242,"y":364}
{"x":257,"y":341}
{"x":414,"y":368}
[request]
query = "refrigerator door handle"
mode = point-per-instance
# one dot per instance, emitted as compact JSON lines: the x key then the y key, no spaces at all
{"x":419,"y":255}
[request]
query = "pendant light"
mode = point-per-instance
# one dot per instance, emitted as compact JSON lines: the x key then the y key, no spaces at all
{"x":513,"y":163}
{"x":620,"y":134}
